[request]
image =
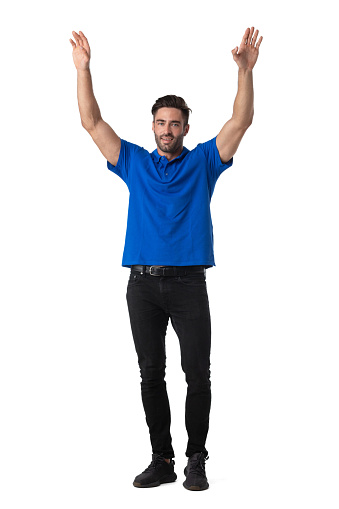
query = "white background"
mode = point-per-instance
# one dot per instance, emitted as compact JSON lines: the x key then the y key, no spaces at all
{"x":72,"y":427}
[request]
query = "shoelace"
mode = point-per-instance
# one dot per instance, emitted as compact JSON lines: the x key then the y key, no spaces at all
{"x":154,"y":463}
{"x":198,"y":466}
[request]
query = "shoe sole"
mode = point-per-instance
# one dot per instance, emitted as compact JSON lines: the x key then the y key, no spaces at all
{"x":163,"y":480}
{"x":196,"y":488}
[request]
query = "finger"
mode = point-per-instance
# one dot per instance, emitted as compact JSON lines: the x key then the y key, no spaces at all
{"x":81,"y":38}
{"x":77,"y":38}
{"x":73,"y":43}
{"x":246,"y":34}
{"x":249,"y":41}
{"x":255,"y":37}
{"x":84,"y":41}
{"x":259,"y":42}
{"x":82,"y":35}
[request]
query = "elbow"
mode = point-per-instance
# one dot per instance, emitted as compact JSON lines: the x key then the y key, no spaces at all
{"x":89,"y":124}
{"x":251,"y":118}
{"x":86,"y":125}
{"x":243,"y":123}
{"x":249,"y":121}
{"x":247,"y":124}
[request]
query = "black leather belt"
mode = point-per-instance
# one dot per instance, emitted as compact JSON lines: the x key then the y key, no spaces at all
{"x":156,"y":270}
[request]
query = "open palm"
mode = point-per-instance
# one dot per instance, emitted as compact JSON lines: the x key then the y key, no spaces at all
{"x":246,"y":56}
{"x":81,"y":51}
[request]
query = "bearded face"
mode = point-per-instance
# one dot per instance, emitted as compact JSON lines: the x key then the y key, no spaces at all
{"x":169,"y":130}
{"x":169,"y":143}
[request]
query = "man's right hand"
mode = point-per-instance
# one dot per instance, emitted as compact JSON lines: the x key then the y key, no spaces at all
{"x":81,"y":51}
{"x":102,"y":134}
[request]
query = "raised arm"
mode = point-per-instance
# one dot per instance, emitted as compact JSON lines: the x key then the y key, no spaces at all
{"x":231,"y":134}
{"x":102,"y":134}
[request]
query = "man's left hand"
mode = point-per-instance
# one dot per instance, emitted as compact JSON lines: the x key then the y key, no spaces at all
{"x":246,"y":56}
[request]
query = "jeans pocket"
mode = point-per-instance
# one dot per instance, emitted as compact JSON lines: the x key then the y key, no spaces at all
{"x":193,"y":280}
{"x":134,"y":279}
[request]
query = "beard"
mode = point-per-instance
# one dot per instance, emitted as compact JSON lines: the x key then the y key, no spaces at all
{"x":171,"y":147}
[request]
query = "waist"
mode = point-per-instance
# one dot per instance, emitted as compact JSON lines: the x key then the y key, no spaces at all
{"x":158,"y":270}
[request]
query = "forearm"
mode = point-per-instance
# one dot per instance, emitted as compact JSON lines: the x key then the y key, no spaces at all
{"x":88,"y":106}
{"x":243,"y":108}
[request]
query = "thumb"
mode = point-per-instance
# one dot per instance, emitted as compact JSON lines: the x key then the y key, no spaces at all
{"x":234,"y":51}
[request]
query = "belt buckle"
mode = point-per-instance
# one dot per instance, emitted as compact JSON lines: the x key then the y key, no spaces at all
{"x":156,"y":266}
{"x":150,"y":270}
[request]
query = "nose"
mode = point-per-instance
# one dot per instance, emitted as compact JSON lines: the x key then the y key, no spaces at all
{"x":168,"y":129}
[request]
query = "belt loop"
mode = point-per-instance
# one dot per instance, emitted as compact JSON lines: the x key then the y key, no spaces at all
{"x":144,"y":270}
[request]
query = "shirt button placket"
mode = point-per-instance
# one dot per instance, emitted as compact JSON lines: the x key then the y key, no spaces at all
{"x":165,"y":165}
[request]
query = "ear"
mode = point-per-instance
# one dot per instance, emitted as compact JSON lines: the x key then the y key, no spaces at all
{"x":153,"y":126}
{"x":187,"y":128}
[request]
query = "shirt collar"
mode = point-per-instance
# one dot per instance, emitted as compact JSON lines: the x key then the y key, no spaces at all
{"x":156,"y":156}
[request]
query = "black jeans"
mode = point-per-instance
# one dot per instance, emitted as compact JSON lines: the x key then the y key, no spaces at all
{"x":152,"y":301}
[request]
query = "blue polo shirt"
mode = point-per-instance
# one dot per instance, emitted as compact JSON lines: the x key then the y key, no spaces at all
{"x":169,"y":218}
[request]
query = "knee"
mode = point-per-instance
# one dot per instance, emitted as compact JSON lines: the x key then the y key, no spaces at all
{"x":198,"y":377}
{"x":152,"y":376}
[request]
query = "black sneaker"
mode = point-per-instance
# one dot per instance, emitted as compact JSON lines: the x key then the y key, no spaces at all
{"x":158,"y":472}
{"x":196,"y":479}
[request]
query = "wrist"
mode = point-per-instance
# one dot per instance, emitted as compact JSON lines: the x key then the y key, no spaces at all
{"x":84,"y":71}
{"x":245,"y":70}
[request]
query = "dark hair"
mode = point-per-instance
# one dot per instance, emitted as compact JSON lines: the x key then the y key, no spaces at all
{"x":172,"y":101}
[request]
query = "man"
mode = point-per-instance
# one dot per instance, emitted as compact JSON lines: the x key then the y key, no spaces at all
{"x":169,"y":245}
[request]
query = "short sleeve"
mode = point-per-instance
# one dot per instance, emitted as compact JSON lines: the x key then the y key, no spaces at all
{"x":214,"y":163}
{"x":125,"y":164}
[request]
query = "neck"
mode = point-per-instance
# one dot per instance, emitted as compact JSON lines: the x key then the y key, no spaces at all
{"x":170,"y":155}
